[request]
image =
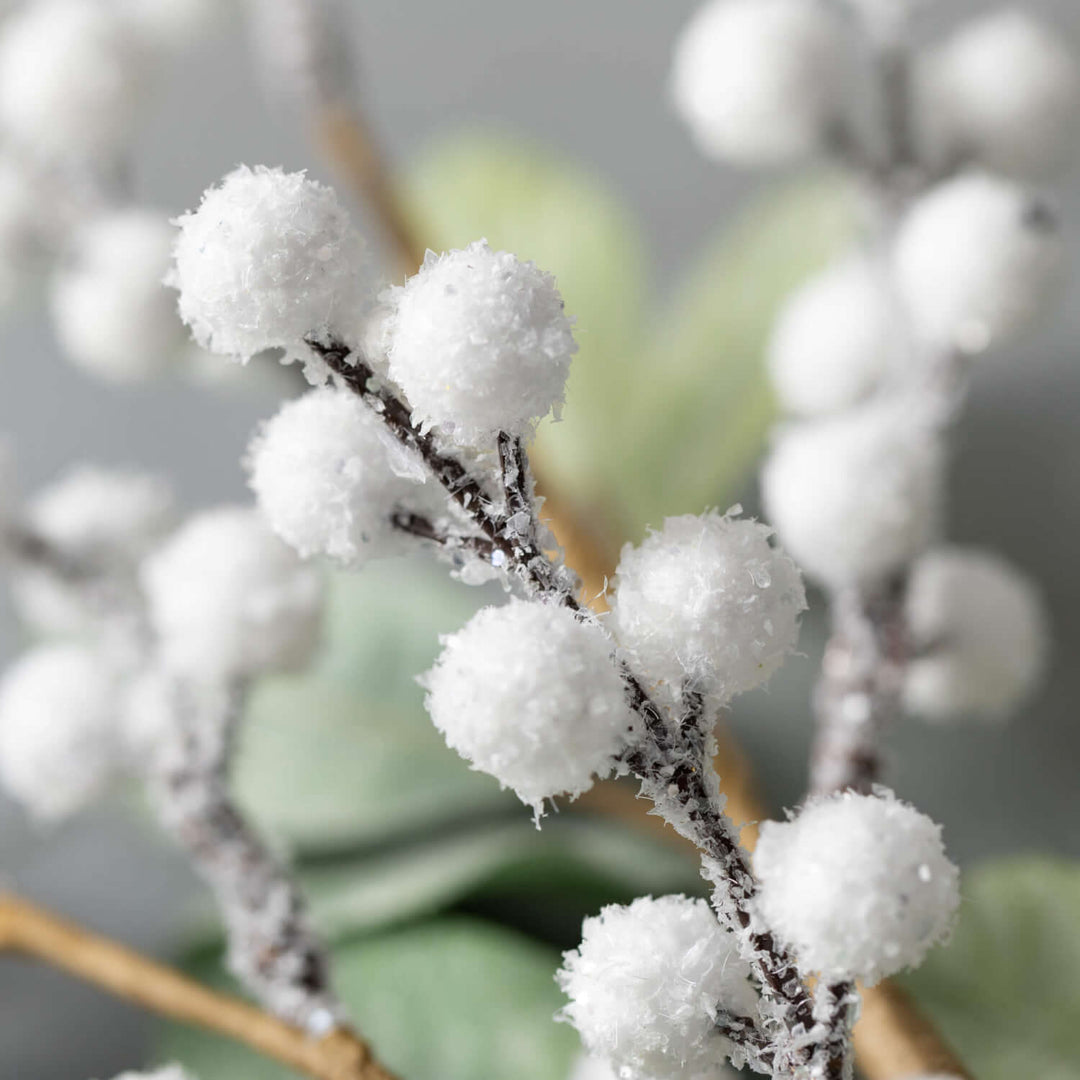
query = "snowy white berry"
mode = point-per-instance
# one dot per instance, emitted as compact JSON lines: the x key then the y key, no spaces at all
{"x":226,"y":596}
{"x":975,"y":260}
{"x":58,"y":746}
{"x":323,"y":471}
{"x":113,"y":314}
{"x":480,"y":343}
{"x":101,"y":521}
{"x":978,"y":630}
{"x":836,"y":339}
{"x":856,"y":496}
{"x":647,"y":982}
{"x":1004,"y":91}
{"x":70,"y":76}
{"x":859,"y":886}
{"x":710,"y":601}
{"x":528,"y":693}
{"x":759,"y":81}
{"x":268,"y":259}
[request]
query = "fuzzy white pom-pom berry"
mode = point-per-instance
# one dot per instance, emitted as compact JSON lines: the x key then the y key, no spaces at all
{"x":978,"y":629}
{"x":101,"y":522}
{"x":226,"y":596}
{"x":480,"y":343}
{"x":112,"y":312}
{"x":708,"y":600}
{"x":975,"y":260}
{"x":323,"y":471}
{"x":855,"y":496}
{"x":835,"y":340}
{"x":859,"y":886}
{"x":268,"y":259}
{"x":1025,"y":124}
{"x":529,"y":693}
{"x":58,"y":746}
{"x":647,"y":982}
{"x":759,"y":81}
{"x":70,"y":74}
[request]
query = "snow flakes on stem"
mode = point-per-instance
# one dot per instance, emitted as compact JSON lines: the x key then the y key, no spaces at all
{"x":979,"y":635}
{"x":647,"y":985}
{"x":859,"y":886}
{"x":226,"y":596}
{"x":480,"y":343}
{"x":708,"y":602}
{"x":528,"y":693}
{"x":268,"y":259}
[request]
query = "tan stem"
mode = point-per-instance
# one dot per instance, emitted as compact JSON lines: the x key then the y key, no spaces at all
{"x":27,"y":929}
{"x":351,"y":148}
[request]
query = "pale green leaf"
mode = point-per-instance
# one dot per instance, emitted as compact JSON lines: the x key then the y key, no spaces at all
{"x":1006,"y":990}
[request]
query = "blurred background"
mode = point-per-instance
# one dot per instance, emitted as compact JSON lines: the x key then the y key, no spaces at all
{"x":547,"y":127}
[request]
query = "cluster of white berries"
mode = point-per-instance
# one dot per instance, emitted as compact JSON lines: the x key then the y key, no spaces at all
{"x":170,"y":1072}
{"x":766,"y":81}
{"x":859,"y":886}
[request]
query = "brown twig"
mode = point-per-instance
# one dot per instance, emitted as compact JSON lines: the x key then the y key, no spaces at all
{"x":33,"y":932}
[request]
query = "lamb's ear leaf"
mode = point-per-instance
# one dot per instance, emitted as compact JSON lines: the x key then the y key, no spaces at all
{"x":453,"y":999}
{"x":1006,"y":989}
{"x":346,"y":753}
{"x":545,"y":881}
{"x":703,"y":404}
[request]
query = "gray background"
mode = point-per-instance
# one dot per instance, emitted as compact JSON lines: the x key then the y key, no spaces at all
{"x":585,"y":77}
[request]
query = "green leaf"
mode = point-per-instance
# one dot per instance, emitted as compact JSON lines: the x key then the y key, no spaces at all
{"x":552,"y":877}
{"x":524,"y":199}
{"x":455,"y":999}
{"x":667,"y":408}
{"x":1006,"y":990}
{"x":347,"y":753}
{"x":703,"y":405}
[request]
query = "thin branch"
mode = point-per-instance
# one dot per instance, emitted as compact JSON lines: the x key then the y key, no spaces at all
{"x":33,"y":932}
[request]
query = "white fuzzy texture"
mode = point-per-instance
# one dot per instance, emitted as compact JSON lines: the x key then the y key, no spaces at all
{"x":70,"y":78}
{"x":113,"y":314}
{"x":529,"y":693}
{"x":710,"y":601}
{"x":758,"y":81}
{"x":57,"y":730}
{"x":835,"y":340}
{"x":227,"y":597}
{"x":859,"y":886}
{"x":975,"y":260}
{"x":103,"y":519}
{"x":979,"y":631}
{"x":645,"y":985}
{"x":480,"y":343}
{"x":1005,"y":91}
{"x":268,"y":258}
{"x":856,"y":496}
{"x":323,"y":473}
